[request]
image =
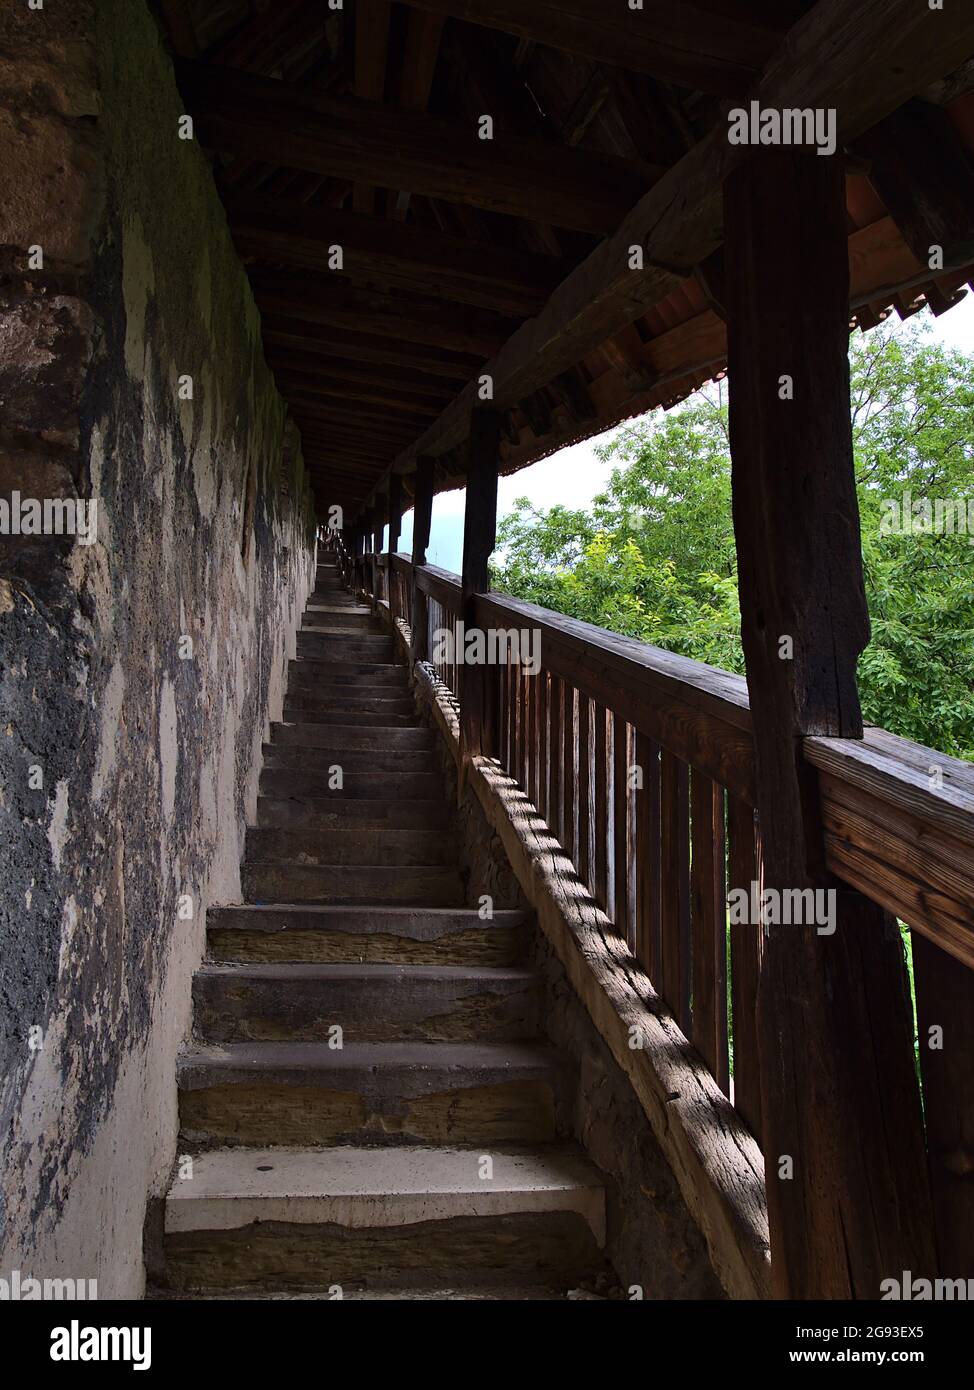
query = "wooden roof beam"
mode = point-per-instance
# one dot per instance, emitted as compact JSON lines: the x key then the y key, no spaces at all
{"x":426,"y":388}
{"x":924,"y":174}
{"x":371,"y":56}
{"x":262,"y":118}
{"x":422,"y":50}
{"x":295,"y":336}
{"x":333,"y":302}
{"x":697,"y":43}
{"x":883,"y":52}
{"x":285,"y":232}
{"x":265,"y":38}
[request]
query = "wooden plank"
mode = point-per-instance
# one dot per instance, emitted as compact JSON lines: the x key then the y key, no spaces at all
{"x":314,"y":392}
{"x":267,"y":37}
{"x":935,"y":789}
{"x":918,"y":870}
{"x":675,"y":887}
{"x":945,"y":1022}
{"x":402,"y":380}
{"x":246,"y":114}
{"x":839,"y":1091}
{"x":923,"y":172}
{"x":415,"y":318}
{"x":648,"y":864}
{"x":620,"y":825}
{"x":600,"y":814}
{"x":286,"y":232}
{"x":708,"y":924}
{"x":371,"y":55}
{"x":882,"y":52}
{"x":179,"y":25}
{"x":746,"y":951}
{"x":395,"y":513}
{"x":583,"y":861}
{"x":569,"y":772}
{"x":422,"y":521}
{"x":479,"y":539}
{"x":422,"y":49}
{"x":555,"y":757}
{"x":543,"y":741}
{"x":294,"y":335}
{"x":692,"y":45}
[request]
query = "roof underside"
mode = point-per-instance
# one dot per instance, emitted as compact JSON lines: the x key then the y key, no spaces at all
{"x":361,"y":127}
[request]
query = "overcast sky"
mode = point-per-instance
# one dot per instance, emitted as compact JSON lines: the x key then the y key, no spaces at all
{"x":574,"y":475}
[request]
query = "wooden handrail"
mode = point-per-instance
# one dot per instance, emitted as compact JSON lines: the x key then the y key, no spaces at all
{"x":699,"y":712}
{"x":440,"y":585}
{"x":899,"y":817}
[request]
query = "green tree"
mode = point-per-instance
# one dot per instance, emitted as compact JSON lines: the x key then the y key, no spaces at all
{"x":654,"y":557}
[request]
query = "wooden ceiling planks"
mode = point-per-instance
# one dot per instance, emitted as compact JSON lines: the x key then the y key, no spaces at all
{"x":483,"y":256}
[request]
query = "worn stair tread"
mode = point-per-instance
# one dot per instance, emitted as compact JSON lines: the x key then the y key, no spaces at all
{"x":327,"y":813}
{"x":378,"y":971}
{"x":415,"y":1068}
{"x":492,"y":1293}
{"x":366,"y":1187}
{"x":424,"y":923}
{"x":351,"y":847}
{"x":356,"y":718}
{"x":314,"y":932}
{"x":313,"y":734}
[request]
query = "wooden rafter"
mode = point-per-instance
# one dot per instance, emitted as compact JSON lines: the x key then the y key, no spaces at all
{"x":884,"y":51}
{"x":240,"y":113}
{"x":281,"y":231}
{"x":332,"y":301}
{"x":696,"y":45}
{"x":371,"y":57}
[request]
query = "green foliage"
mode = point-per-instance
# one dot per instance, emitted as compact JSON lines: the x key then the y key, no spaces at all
{"x":654,"y":557}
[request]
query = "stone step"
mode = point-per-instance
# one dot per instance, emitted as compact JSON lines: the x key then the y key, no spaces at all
{"x":304,"y":672}
{"x":358,"y":845}
{"x":345,"y":813}
{"x":333,"y":625}
{"x":312,"y":734}
{"x":343,"y":646}
{"x":428,"y":885}
{"x":348,"y":716}
{"x":370,"y":1003}
{"x":349,"y":620}
{"x":310,"y":1093}
{"x":395,"y":784}
{"x":387,"y":760}
{"x":393,"y":935}
{"x":358,"y":1292}
{"x":414,"y":1214}
{"x":335,"y":699}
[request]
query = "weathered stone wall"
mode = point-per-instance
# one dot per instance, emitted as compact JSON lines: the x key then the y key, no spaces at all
{"x":138,"y":673}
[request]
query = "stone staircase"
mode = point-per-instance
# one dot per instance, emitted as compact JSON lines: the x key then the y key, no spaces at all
{"x":425,"y":1155}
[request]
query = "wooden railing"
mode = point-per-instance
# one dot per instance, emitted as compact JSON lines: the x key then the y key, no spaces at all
{"x":641,"y":763}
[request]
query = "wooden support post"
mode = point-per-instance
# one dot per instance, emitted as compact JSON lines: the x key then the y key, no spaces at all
{"x":945,"y":1025}
{"x":376,"y":534}
{"x":479,"y":538}
{"x":422,"y":520}
{"x":848,"y":1194}
{"x":395,"y":512}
